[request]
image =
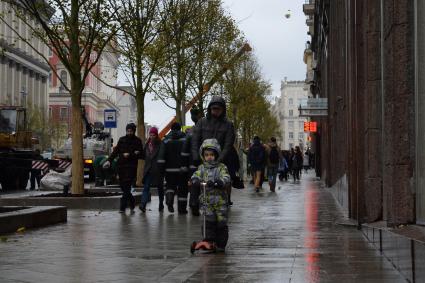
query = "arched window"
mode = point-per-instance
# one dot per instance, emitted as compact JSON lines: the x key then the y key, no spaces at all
{"x":64,"y":79}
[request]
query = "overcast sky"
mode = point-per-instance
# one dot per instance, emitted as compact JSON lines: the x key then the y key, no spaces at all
{"x":277,"y":42}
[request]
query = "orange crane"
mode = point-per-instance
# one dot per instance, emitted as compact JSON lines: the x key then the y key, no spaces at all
{"x":207,"y":87}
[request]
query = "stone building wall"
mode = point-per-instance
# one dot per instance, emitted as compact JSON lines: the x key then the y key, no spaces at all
{"x":368,"y":138}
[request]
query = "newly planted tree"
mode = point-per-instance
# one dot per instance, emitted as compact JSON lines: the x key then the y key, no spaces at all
{"x":248,"y":93}
{"x":176,"y":65}
{"x":77,"y":31}
{"x":213,"y":46}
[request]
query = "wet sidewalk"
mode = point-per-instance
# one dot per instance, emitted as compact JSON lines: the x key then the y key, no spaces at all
{"x":288,"y":236}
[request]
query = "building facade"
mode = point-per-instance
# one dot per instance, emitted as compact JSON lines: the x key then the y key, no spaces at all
{"x":370,"y":65}
{"x":366,"y":70}
{"x":285,"y":109}
{"x":23,"y":72}
{"x":127,"y":109}
{"x":96,"y":96}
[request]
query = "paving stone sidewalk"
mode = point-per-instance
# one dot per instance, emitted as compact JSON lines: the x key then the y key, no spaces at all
{"x":288,"y":236}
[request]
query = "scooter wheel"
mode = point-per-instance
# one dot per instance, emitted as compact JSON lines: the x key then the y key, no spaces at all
{"x":192,"y":247}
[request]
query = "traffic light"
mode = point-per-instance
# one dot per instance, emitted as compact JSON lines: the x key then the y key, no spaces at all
{"x":313,"y":127}
{"x":306,"y":126}
{"x":310,"y":127}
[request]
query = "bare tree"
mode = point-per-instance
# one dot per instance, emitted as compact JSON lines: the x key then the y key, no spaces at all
{"x":77,"y":31}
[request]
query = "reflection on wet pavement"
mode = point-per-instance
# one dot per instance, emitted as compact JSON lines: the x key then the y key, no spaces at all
{"x":287,"y":236}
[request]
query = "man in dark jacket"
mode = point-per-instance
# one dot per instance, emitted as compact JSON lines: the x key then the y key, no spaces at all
{"x":257,"y":157}
{"x":214,"y":126}
{"x":128,"y":150}
{"x":170,"y":162}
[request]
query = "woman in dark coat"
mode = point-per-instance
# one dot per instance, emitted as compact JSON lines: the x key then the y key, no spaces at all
{"x":152,"y":175}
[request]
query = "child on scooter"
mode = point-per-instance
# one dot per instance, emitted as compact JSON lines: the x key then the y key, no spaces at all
{"x":216,"y":178}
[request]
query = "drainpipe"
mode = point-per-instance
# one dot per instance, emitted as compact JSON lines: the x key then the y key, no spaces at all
{"x":384,"y":205}
{"x":356,"y":129}
{"x":417,"y":141}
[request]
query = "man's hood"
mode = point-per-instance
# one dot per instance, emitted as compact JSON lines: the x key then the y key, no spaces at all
{"x":217,"y":100}
{"x":175,"y":135}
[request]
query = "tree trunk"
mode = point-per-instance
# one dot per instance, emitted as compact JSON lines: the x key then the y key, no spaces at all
{"x":183,"y":113}
{"x":77,"y":138}
{"x":140,"y":102}
{"x":179,"y":110}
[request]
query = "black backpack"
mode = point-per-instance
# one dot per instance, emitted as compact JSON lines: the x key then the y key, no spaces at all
{"x":274,"y":155}
{"x":257,"y":154}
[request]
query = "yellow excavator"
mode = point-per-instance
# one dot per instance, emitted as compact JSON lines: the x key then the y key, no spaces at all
{"x":16,"y":148}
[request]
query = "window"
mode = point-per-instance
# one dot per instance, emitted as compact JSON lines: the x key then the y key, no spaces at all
{"x":301,"y":135}
{"x":291,"y":135}
{"x":291,"y":125}
{"x":291,"y":101}
{"x":63,"y":113}
{"x":7,"y":121}
{"x":64,"y":79}
{"x":291,"y":145}
{"x":291,"y":113}
{"x":50,"y":80}
{"x":50,"y":112}
{"x":301,"y":125}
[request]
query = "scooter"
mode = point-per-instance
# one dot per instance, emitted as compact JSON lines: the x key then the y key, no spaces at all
{"x":203,"y":245}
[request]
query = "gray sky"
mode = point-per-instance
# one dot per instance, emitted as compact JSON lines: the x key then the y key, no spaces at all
{"x":277,"y":42}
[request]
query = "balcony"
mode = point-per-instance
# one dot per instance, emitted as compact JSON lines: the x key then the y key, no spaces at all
{"x":308,"y":7}
{"x":309,"y":22}
{"x":309,"y":77}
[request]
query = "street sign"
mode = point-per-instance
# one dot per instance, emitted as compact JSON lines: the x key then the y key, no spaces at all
{"x":314,"y":107}
{"x":110,"y":118}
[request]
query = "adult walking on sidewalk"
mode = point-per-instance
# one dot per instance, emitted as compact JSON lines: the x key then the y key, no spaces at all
{"x":151,"y":173}
{"x":128,"y":150}
{"x":170,"y":162}
{"x":216,"y":126}
{"x":188,"y":166}
{"x":297,"y":163}
{"x":257,"y":158}
{"x":274,"y":156}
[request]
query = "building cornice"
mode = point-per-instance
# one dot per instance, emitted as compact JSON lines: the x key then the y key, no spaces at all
{"x":24,"y":59}
{"x":86,"y":97}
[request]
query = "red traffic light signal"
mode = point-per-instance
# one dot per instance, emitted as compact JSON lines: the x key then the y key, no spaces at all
{"x":306,"y":126}
{"x":310,"y":127}
{"x":313,"y":127}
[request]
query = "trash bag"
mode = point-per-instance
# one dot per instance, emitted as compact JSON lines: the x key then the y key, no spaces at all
{"x":56,"y":181}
